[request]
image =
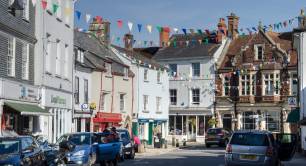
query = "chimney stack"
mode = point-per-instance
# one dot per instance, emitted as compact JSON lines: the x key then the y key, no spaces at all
{"x":128,"y":41}
{"x":302,"y":20}
{"x":222,"y":30}
{"x":164,"y":36}
{"x":233,"y":22}
{"x":101,"y":29}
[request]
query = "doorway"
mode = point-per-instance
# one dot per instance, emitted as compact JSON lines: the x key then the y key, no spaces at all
{"x":227,"y":121}
{"x":191,"y":126}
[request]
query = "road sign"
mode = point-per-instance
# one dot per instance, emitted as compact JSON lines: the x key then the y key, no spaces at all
{"x":292,"y":101}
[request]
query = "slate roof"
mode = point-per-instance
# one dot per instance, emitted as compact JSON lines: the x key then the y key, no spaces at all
{"x":97,"y":54}
{"x":193,"y":50}
{"x":140,"y":54}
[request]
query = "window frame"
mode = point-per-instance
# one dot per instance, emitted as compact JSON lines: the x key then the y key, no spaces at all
{"x":145,"y":75}
{"x":58,"y":58}
{"x":245,"y":83}
{"x":196,"y":72}
{"x":256,"y":48}
{"x":273,"y":83}
{"x":194,"y":96}
{"x":86,"y":95}
{"x":158,"y":104}
{"x":11,"y":57}
{"x":275,"y":121}
{"x":226,"y":86}
{"x":25,"y":61}
{"x":122,"y":102}
{"x":26,"y":10}
{"x":145,"y":102}
{"x":173,"y":96}
{"x":171,"y":66}
{"x":77,"y":90}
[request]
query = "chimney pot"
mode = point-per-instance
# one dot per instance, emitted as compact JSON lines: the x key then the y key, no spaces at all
{"x":164,"y":36}
{"x":233,"y":22}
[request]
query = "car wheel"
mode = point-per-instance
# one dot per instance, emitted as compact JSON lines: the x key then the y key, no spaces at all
{"x":132,"y":155}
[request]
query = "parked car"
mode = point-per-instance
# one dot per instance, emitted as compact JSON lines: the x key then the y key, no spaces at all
{"x":127,"y":142}
{"x":21,"y":150}
{"x":109,"y":148}
{"x":259,"y":148}
{"x":85,"y":148}
{"x":217,"y":136}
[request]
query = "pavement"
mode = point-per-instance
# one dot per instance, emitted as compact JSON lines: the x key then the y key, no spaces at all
{"x":192,"y":155}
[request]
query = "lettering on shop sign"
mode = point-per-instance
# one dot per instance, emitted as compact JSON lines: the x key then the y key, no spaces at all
{"x":58,"y":100}
{"x":27,"y":93}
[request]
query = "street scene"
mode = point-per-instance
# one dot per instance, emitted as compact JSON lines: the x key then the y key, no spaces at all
{"x":112,"y":82}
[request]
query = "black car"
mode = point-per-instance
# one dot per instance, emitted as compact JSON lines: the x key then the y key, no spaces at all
{"x":21,"y":150}
{"x":217,"y":136}
{"x":128,"y":143}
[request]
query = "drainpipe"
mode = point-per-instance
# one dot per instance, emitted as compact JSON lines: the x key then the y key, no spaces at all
{"x":113,"y":84}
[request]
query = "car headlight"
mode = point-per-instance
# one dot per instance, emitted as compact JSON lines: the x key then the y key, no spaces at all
{"x":79,"y":153}
{"x":128,"y":145}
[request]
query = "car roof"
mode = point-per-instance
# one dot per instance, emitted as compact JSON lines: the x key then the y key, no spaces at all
{"x":16,"y":137}
{"x":253,"y":132}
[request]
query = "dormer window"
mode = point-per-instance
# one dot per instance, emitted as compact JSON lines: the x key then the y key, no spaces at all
{"x":126,"y":72}
{"x":108,"y":68}
{"x":259,"y":52}
{"x":80,"y":55}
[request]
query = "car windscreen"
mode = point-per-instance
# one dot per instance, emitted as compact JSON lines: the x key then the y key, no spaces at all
{"x":214,"y":131}
{"x":250,"y":139}
{"x":9,"y":146}
{"x":80,"y":139}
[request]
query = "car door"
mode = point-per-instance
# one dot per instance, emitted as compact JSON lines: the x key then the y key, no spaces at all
{"x":105,"y":148}
{"x":287,"y":144}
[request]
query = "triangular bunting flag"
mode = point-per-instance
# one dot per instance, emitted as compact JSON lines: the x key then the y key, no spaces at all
{"x":139,"y":27}
{"x":88,"y":17}
{"x":166,"y":29}
{"x":99,"y":19}
{"x":175,"y":30}
{"x":67,"y":11}
{"x":44,"y":4}
{"x":185,"y":31}
{"x":120,"y":23}
{"x":78,"y":14}
{"x":159,"y":29}
{"x":187,"y":42}
{"x":200,"y":31}
{"x":191,"y":31}
{"x":130,"y":25}
{"x":149,"y":28}
{"x":55,"y":7}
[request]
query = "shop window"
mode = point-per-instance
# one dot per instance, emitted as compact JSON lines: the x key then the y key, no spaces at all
{"x":272,"y":121}
{"x":171,"y":125}
{"x":249,"y":122}
{"x":227,"y":121}
{"x":179,"y":125}
{"x":201,"y":126}
{"x":184,"y":125}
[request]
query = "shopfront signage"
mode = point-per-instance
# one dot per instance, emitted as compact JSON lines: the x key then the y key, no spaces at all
{"x":58,"y":100}
{"x":292,"y":101}
{"x":27,"y":93}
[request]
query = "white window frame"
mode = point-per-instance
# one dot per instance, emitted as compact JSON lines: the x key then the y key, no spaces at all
{"x":256,"y":46}
{"x":58,"y":58}
{"x":244,"y":117}
{"x":276,"y":120}
{"x":48,"y":54}
{"x":122,"y":102}
{"x":226,"y":84}
{"x":103,"y":101}
{"x":25,"y":61}
{"x":193,"y":95}
{"x":194,"y":69}
{"x":273,"y":83}
{"x":26,"y":10}
{"x":245,"y":83}
{"x":108,"y":68}
{"x":293,"y":77}
{"x":158,"y":77}
{"x":86,"y":91}
{"x":126,"y":72}
{"x":145,"y":74}
{"x":11,"y":57}
{"x":158,"y":104}
{"x":173,"y":96}
{"x":145,"y":103}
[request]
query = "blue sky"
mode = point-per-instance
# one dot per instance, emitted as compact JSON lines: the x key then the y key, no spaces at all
{"x":197,"y":14}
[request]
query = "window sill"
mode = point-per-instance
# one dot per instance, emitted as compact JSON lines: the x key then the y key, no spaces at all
{"x":58,"y":76}
{"x":125,"y":79}
{"x":108,"y":76}
{"x":48,"y":73}
{"x":159,"y":83}
{"x":145,"y":111}
{"x":67,"y":25}
{"x":49,"y":12}
{"x":146,"y":81}
{"x":195,"y":104}
{"x":159,"y":112}
{"x":26,"y":20}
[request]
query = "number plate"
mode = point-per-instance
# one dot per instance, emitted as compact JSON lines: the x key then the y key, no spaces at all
{"x":248,"y":157}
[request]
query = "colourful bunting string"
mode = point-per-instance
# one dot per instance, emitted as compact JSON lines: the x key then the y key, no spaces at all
{"x":130,"y":25}
{"x":175,"y":30}
{"x":55,"y":7}
{"x":34,"y":2}
{"x":185,"y":31}
{"x":67,"y":11}
{"x":159,"y":29}
{"x":88,"y":17}
{"x":149,"y":28}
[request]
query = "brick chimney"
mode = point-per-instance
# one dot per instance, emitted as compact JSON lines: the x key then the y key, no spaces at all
{"x":302,"y":20}
{"x":233,"y":22}
{"x":222,"y":30}
{"x":164,"y":36}
{"x":101,"y":29}
{"x":128,"y":41}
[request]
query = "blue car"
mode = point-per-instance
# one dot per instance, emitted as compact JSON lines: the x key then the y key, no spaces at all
{"x":85,"y":148}
{"x":21,"y":150}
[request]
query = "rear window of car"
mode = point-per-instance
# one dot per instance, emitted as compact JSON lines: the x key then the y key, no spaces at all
{"x":250,"y":139}
{"x":214,"y":131}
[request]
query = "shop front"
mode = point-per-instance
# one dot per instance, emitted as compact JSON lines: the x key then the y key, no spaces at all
{"x":104,"y":120}
{"x":188,"y":127}
{"x":83,"y":117}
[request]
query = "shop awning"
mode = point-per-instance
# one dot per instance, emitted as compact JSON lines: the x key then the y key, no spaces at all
{"x":27,"y":109}
{"x":294,"y":116}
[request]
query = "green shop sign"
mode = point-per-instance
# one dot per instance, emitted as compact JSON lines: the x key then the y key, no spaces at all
{"x":58,"y":100}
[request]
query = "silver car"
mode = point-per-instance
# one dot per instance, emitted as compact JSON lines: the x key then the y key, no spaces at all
{"x":259,"y":148}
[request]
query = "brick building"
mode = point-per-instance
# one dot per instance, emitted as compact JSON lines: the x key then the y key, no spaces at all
{"x":256,"y":75}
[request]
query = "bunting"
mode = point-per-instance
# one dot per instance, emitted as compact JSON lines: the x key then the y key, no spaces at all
{"x":119,"y":23}
{"x":55,"y":7}
{"x":34,"y":2}
{"x":139,"y":27}
{"x":149,"y":28}
{"x":88,"y":17}
{"x":78,"y":14}
{"x":130,"y":25}
{"x":44,"y":4}
{"x":175,"y":30}
{"x":184,"y":31}
{"x":159,"y":28}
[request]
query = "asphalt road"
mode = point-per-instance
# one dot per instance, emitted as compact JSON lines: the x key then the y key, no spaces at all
{"x":193,"y":156}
